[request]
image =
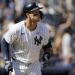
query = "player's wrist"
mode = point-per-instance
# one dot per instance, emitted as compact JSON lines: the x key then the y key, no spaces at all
{"x":8,"y":65}
{"x":8,"y":61}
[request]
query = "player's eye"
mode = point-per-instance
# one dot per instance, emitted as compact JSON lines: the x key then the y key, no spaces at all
{"x":36,"y":14}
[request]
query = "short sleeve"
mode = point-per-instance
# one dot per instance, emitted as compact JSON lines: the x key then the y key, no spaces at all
{"x":10,"y":36}
{"x":47,"y":37}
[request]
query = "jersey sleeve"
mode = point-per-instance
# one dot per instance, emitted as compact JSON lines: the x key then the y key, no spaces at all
{"x":11,"y":35}
{"x":48,"y":45}
{"x":47,"y":37}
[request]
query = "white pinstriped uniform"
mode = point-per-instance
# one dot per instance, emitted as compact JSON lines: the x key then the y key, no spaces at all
{"x":26,"y":46}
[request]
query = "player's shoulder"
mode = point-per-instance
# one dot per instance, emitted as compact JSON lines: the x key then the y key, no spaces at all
{"x":43,"y":26}
{"x":17,"y":26}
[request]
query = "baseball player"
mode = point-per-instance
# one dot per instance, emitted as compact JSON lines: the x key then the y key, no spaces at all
{"x":23,"y":43}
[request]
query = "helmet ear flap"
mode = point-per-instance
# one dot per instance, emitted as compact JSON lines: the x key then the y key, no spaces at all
{"x":41,"y":14}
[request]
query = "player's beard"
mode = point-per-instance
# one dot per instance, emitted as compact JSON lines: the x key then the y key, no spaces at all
{"x":36,"y":18}
{"x":31,"y":24}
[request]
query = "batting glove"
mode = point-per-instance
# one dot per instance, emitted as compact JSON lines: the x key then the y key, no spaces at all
{"x":8,"y":66}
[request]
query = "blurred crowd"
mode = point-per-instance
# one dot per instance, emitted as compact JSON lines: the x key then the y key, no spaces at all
{"x":57,"y":14}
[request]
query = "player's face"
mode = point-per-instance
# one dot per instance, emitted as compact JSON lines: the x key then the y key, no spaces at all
{"x":34,"y":15}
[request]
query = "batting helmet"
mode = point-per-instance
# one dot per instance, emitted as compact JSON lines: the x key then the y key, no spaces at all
{"x":31,"y":7}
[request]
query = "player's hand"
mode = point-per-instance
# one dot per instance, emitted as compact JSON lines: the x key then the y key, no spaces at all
{"x":8,"y":66}
{"x":46,"y":56}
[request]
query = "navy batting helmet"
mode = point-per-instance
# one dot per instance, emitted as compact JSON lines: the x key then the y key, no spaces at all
{"x":31,"y":7}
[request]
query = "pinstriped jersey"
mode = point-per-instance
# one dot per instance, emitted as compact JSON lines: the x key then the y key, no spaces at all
{"x":26,"y":44}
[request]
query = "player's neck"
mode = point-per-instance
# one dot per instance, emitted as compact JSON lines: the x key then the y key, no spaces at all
{"x":31,"y":25}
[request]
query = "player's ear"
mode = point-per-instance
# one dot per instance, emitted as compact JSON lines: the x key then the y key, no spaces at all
{"x":41,"y":14}
{"x":27,"y":14}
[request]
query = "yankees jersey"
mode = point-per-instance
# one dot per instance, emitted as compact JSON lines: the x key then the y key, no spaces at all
{"x":26,"y":45}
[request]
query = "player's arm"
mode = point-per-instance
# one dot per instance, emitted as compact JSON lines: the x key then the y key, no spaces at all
{"x":47,"y":50}
{"x":5,"y":49}
{"x":6,"y":55}
{"x":8,"y":38}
